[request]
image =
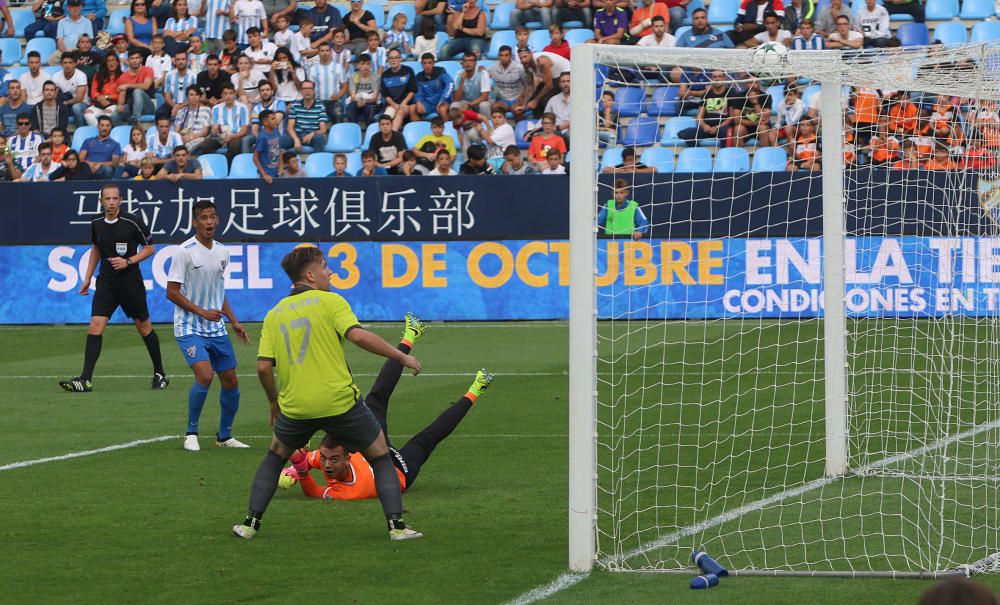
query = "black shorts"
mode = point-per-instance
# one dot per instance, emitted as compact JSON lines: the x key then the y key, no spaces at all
{"x":129,"y":294}
{"x":356,"y":428}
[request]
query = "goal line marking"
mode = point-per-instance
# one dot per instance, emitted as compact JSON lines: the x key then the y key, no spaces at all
{"x":547,"y":590}
{"x":361,"y":374}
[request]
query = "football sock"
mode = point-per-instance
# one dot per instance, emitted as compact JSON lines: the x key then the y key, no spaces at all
{"x":386,"y":483}
{"x":196,"y":401}
{"x":266,"y":481}
{"x":229,"y":402}
{"x":90,"y":355}
{"x":153,"y":346}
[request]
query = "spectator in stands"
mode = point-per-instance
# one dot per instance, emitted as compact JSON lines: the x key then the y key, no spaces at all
{"x":72,"y":86}
{"x":365,"y":94}
{"x":718,"y":114}
{"x":544,"y":69}
{"x":531,"y":10}
{"x":808,"y":39}
{"x":300,"y":42}
{"x":703,"y":35}
{"x":175,"y":85}
{"x":557,"y":42}
{"x":475,"y":162}
{"x":434,"y":90}
{"x":629,"y":164}
{"x":397,"y":36}
{"x":211,"y":81}
{"x":161,"y":141}
{"x":339,"y":166}
{"x":575,"y":10}
{"x":159,"y":62}
{"x":398,"y":87}
{"x":873,"y":23}
{"x":307,"y":121}
{"x":267,"y":150}
{"x":754,"y":119}
{"x":179,"y":28}
{"x":59,"y":147}
{"x":267,"y":101}
{"x":140,"y":27}
{"x":790,"y":112}
{"x":247,"y":15}
{"x":104,"y":90}
{"x":42,"y":168}
{"x":941,"y":160}
{"x":341,"y":54}
{"x":772,"y":33}
{"x":795,"y":12}
{"x":826,"y":22}
{"x":358,"y":23}
{"x":193,"y":119}
{"x":49,"y":113}
{"x":230,"y":53}
{"x":804,"y":148}
{"x":910,"y":159}
{"x":559,"y":105}
{"x":330,"y":81}
{"x":147,"y":171}
{"x":913,"y":8}
{"x":33,"y":79}
{"x":47,"y":16}
{"x":69,"y":30}
{"x":293,"y":170}
{"x":498,"y":135}
{"x":101,"y":153}
{"x":388,"y":144}
{"x":903,"y":114}
{"x":246,"y":82}
{"x":521,"y":35}
{"x":610,"y":24}
{"x":547,"y":140}
{"x":369,"y":165}
{"x":425,"y":151}
{"x":658,"y":36}
{"x":72,"y":169}
{"x":513,"y":162}
{"x":641,"y":23}
{"x":119,"y":46}
{"x":466,"y":123}
{"x":216,"y":21}
{"x":472,"y":85}
{"x":750,"y":19}
{"x":282,"y":8}
{"x":622,"y":216}
{"x":426,"y":42}
{"x":261,"y":51}
{"x":88,"y":60}
{"x":607,"y":118}
{"x":554,"y":162}
{"x":230,"y":126}
{"x":14,"y":108}
{"x":134,"y":86}
{"x":287,"y":76}
{"x":844,"y":37}
{"x":467,"y":29}
{"x":9,"y":170}
{"x":326,"y":19}
{"x":377,"y":53}
{"x":132,"y":156}
{"x":96,"y":11}
{"x":409,"y":165}
{"x":8,"y":19}
{"x":181,"y":167}
{"x":433,"y":12}
{"x":510,"y":82}
{"x":442,"y":164}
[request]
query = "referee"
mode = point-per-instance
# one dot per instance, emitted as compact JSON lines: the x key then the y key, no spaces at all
{"x":120,"y":242}
{"x":302,"y":336}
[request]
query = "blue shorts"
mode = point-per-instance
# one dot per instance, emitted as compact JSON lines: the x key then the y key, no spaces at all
{"x":216,"y":349}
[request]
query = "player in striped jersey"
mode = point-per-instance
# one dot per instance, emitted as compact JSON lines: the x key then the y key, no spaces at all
{"x":196,"y":285}
{"x":230,"y":125}
{"x":331,"y":83}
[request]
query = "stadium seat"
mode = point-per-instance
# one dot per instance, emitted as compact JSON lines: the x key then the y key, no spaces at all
{"x":663,"y":102}
{"x":630,"y":101}
{"x":81,"y":134}
{"x":121,"y":134}
{"x":369,"y":133}
{"x":378,"y":11}
{"x":951,"y":33}
{"x":660,"y":158}
{"x":43,"y":46}
{"x":401,"y":7}
{"x":976,"y":9}
{"x":732,"y":159}
{"x":319,"y":165}
{"x":986,"y":31}
{"x":116,"y":21}
{"x":214,"y":166}
{"x":353,"y":163}
{"x":52,"y":69}
{"x":682,"y":31}
{"x":501,"y":16}
{"x":414,"y":131}
{"x":696,"y":4}
{"x":520,"y":129}
{"x":941,"y":10}
{"x":501,"y":38}
{"x":807,"y":93}
{"x":694,"y":159}
{"x":611,"y":157}
{"x":673,"y":126}
{"x":414,"y":65}
{"x":243,"y":167}
{"x":641,"y":132}
{"x":450,"y":67}
{"x":913,"y":34}
{"x":539,"y":39}
{"x":579,"y":36}
{"x":442,"y":38}
{"x":769,"y":159}
{"x":23,"y":17}
{"x":722,"y":12}
{"x":343,"y":137}
{"x":11,"y":50}
{"x":18,"y":71}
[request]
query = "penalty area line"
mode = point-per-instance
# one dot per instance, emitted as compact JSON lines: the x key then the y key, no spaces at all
{"x":545,"y":591}
{"x":84,"y":453}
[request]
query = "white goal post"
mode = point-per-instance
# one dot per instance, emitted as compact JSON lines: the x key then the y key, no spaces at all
{"x":843,"y":439}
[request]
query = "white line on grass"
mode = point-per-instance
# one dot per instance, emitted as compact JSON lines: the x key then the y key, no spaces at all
{"x":71,"y":455}
{"x":543,"y":592}
{"x":361,"y":374}
{"x":541,"y":323}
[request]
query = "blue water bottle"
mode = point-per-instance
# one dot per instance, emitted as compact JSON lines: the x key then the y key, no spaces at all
{"x":704,"y":582}
{"x":707,"y":564}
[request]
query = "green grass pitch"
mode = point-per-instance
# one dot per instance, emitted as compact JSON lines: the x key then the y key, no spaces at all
{"x":151,"y":523}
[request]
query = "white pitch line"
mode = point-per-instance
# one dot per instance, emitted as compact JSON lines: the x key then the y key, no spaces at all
{"x":545,"y":591}
{"x":359,"y":374}
{"x":492,"y":325}
{"x":71,"y":455}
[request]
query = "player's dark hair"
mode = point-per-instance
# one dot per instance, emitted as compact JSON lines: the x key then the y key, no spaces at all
{"x":330,"y":442}
{"x":958,"y":590}
{"x":296,"y":261}
{"x":200,"y":205}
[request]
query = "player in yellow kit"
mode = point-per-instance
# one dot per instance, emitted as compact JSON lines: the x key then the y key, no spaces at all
{"x":302,"y":337}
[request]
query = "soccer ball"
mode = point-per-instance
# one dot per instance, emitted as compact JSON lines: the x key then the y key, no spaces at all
{"x":288,"y":478}
{"x":770,"y":58}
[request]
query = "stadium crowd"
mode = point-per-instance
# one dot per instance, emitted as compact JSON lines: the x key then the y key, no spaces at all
{"x":143,"y":92}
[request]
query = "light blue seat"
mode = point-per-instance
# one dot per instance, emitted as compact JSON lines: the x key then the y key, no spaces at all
{"x":414,"y":65}
{"x":214,"y":166}
{"x":630,"y":101}
{"x":319,"y":165}
{"x":694,"y":5}
{"x":81,"y":134}
{"x":243,"y":167}
{"x":343,"y":137}
{"x":986,"y":31}
{"x":11,"y":50}
{"x":401,"y":7}
{"x":579,"y":36}
{"x":913,"y":34}
{"x":441,"y":39}
{"x":501,"y":16}
{"x":18,"y":71}
{"x":501,"y":38}
{"x":371,"y":131}
{"x":976,"y":9}
{"x":520,"y":129}
{"x":951,"y":33}
{"x":450,"y":67}
{"x":769,"y":159}
{"x":414,"y":131}
{"x":611,"y":157}
{"x":941,"y":10}
{"x":43,"y":46}
{"x":722,"y":12}
{"x":673,"y":127}
{"x":694,"y":159}
{"x":659,"y":158}
{"x":684,"y":30}
{"x":378,"y":11}
{"x":23,"y":17}
{"x":116,"y":21}
{"x":121,"y":134}
{"x":539,"y":39}
{"x":663,"y":102}
{"x":732,"y":159}
{"x":641,"y":132}
{"x":808,"y":92}
{"x":353,"y":163}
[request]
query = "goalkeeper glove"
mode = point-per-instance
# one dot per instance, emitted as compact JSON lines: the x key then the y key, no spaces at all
{"x":300,"y":462}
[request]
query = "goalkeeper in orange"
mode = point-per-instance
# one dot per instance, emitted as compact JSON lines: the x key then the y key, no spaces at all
{"x":348,"y":476}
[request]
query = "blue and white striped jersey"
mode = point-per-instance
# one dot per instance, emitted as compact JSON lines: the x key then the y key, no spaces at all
{"x":327,"y":78}
{"x":201,"y":273}
{"x":248,"y":13}
{"x":177,"y":84}
{"x":37,"y":174}
{"x":231,"y":119}
{"x":159,"y":149}
{"x":216,"y":24}
{"x":182,"y":25}
{"x":816,"y":42}
{"x":24,"y":149}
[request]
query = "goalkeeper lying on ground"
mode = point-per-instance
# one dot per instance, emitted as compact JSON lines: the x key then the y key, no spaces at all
{"x":348,"y":475}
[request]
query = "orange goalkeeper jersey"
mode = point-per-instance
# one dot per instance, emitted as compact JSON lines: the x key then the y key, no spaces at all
{"x":360,"y":486}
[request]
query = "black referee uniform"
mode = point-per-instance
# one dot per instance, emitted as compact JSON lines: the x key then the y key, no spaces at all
{"x":124,"y":237}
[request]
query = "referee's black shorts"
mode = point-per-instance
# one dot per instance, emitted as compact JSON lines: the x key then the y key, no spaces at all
{"x":129,"y":294}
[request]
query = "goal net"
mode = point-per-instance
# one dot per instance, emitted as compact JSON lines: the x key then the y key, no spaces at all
{"x":789,"y":356}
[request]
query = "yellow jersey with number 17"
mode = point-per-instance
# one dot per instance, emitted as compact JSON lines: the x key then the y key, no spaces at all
{"x":304,"y":335}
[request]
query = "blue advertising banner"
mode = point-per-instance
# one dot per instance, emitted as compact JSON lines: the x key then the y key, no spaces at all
{"x":905,"y":276}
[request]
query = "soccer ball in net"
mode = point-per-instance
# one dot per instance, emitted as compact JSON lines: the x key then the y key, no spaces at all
{"x":770,"y":58}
